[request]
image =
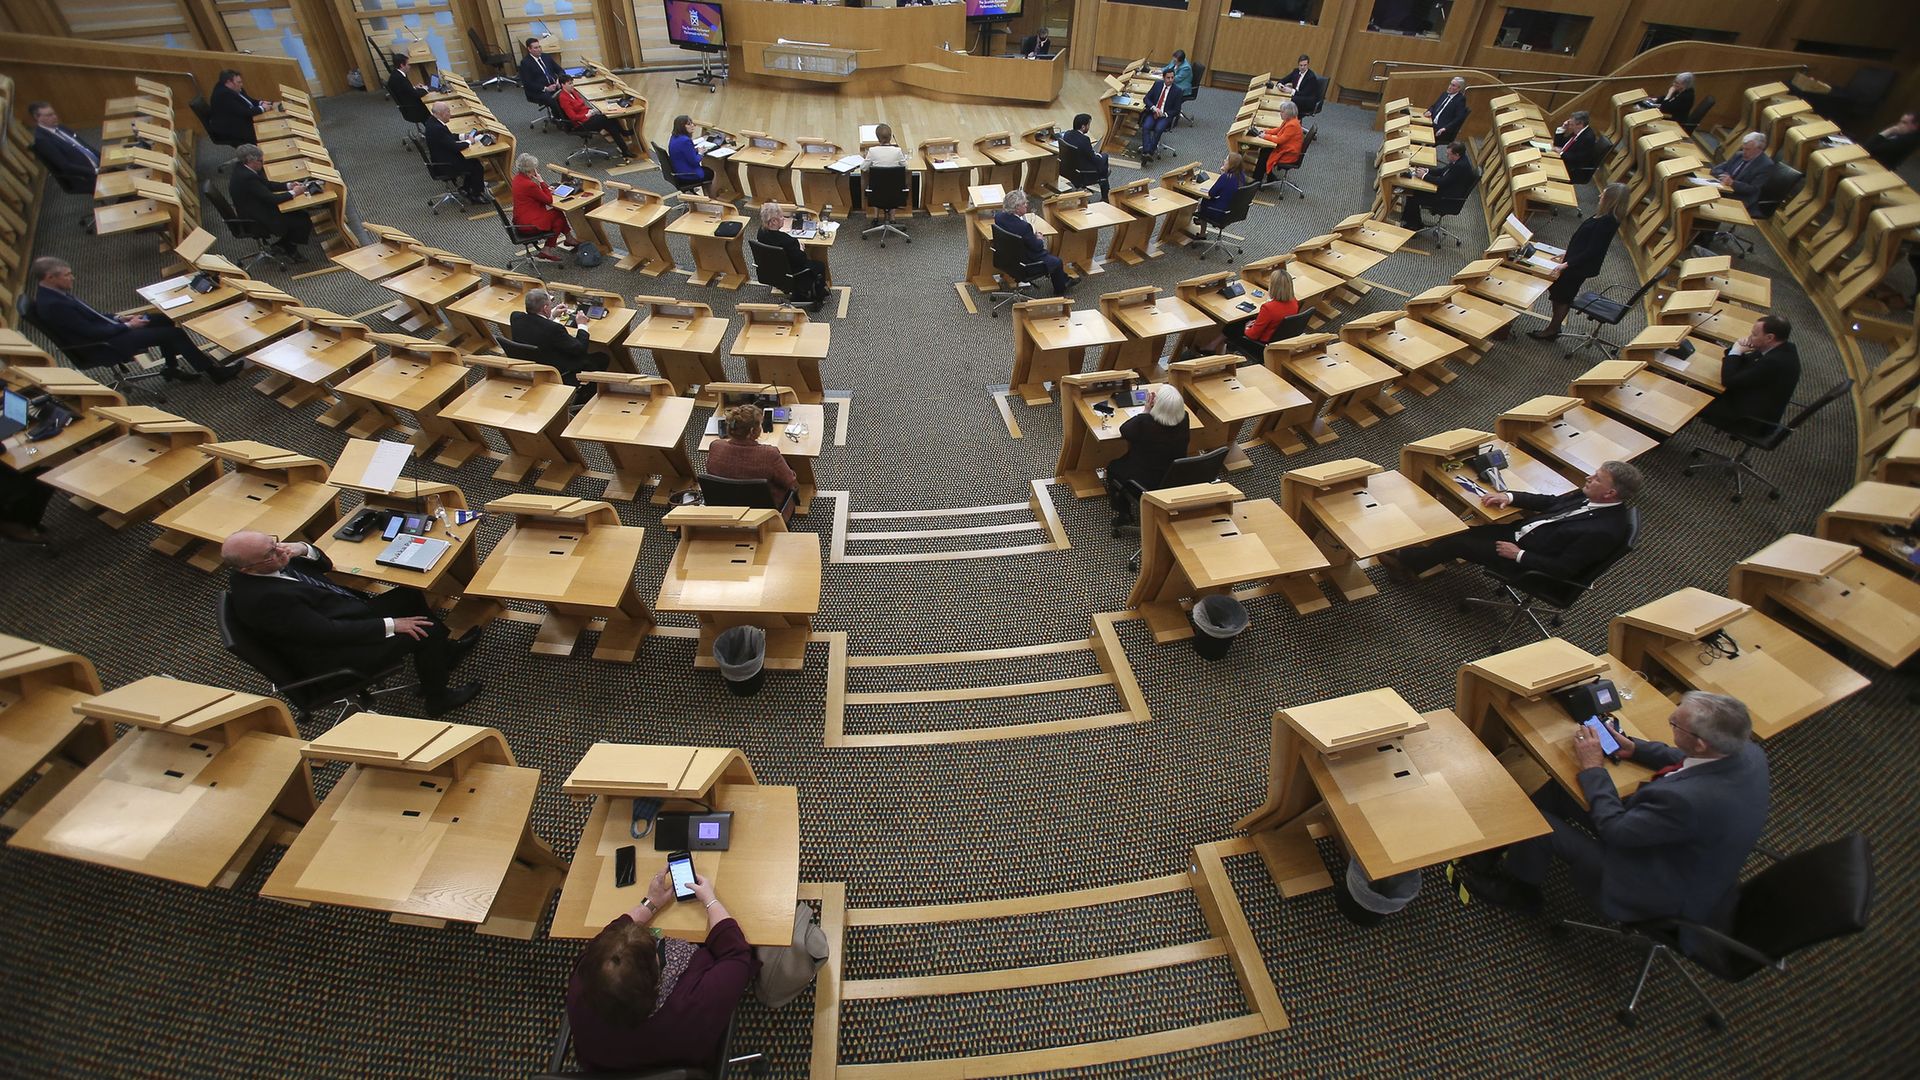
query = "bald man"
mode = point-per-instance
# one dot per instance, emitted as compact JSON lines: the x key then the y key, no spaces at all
{"x":284,"y":601}
{"x":444,"y":148}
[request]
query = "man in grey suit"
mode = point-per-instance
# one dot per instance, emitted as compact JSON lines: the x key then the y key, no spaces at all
{"x":1673,"y":848}
{"x":1746,"y":172}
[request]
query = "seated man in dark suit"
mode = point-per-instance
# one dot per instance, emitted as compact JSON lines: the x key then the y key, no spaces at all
{"x":1672,"y":849}
{"x":1891,"y":145}
{"x":1309,"y":90}
{"x":1567,"y":536}
{"x":1451,"y":181}
{"x":230,"y":111}
{"x":810,"y":276}
{"x":1746,"y":172}
{"x":400,"y":85}
{"x":258,"y":199}
{"x":1159,"y":112}
{"x":444,"y":148}
{"x":65,"y":155}
{"x":1090,"y":156}
{"x":1449,"y":112}
{"x":283,"y":599}
{"x":124,"y":337}
{"x":1578,"y":147}
{"x":1760,"y":374}
{"x":1013,"y":218}
{"x":1037,"y":46}
{"x":539,"y":75}
{"x":563,"y":346}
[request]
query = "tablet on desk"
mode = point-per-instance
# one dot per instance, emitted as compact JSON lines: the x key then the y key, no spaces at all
{"x":563,"y":190}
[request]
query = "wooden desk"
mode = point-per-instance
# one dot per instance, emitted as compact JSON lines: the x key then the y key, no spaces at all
{"x":769,"y":164}
{"x":441,"y":278}
{"x":390,"y":252}
{"x":1490,"y":279}
{"x":1828,"y":586}
{"x":1367,"y":231}
{"x":1148,"y":320}
{"x":41,"y":734}
{"x":1007,"y":157}
{"x":274,"y":491}
{"x":1312,"y":286}
{"x":1354,"y":509}
{"x":1864,"y":516}
{"x":526,"y":405}
{"x":799,"y":450}
{"x":1079,"y":219}
{"x":641,"y":217}
{"x":1205,"y":293}
{"x":759,"y":873}
{"x":1472,"y":319}
{"x":1901,"y":462}
{"x":173,"y":298}
{"x":1436,"y":461}
{"x":75,"y":391}
{"x":1781,"y":677}
{"x":574,"y":556}
{"x":782,"y":346}
{"x":946,"y":173}
{"x":193,"y":794}
{"x":1650,"y":402}
{"x":684,"y":338}
{"x":486,"y":308}
{"x":1419,"y":351}
{"x":1203,"y":539}
{"x":302,"y":365}
{"x":1717,"y":273}
{"x":719,"y":261}
{"x":643,"y":427}
{"x":736,"y":566}
{"x":1135,"y":241}
{"x":1225,"y":392}
{"x":1657,"y":345}
{"x":1050,"y":341}
{"x":1043,"y":172}
{"x":264,"y":315}
{"x":1517,"y":687}
{"x":1404,"y":790}
{"x":579,"y":204}
{"x":717,"y":149}
{"x":153,"y":463}
{"x":1338,"y":257}
{"x":1338,"y":377}
{"x":419,"y":378}
{"x":1089,"y":438}
{"x":429,"y":822}
{"x":824,"y":189}
{"x":1569,"y":436}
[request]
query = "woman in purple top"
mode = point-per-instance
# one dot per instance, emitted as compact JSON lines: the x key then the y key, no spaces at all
{"x":640,"y":1003}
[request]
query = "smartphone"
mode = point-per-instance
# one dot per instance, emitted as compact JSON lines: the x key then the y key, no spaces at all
{"x":1609,"y":745}
{"x":623,"y":866}
{"x":680,"y":868}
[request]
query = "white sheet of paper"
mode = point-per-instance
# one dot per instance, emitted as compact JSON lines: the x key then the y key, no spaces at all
{"x":172,"y":302}
{"x":388,"y":460}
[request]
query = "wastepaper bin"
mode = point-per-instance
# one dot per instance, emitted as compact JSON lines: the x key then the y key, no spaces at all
{"x":741,"y":653}
{"x":1217,"y":620}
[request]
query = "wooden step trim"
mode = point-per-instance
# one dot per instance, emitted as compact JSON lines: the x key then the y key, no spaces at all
{"x":942,"y":556}
{"x":1010,"y":906}
{"x":936,"y":534}
{"x":1038,"y":975}
{"x":951,"y":511}
{"x":979,"y":693}
{"x":970,"y":656}
{"x":1077,"y":1056}
{"x":1214,"y":889}
{"x":988,"y":734}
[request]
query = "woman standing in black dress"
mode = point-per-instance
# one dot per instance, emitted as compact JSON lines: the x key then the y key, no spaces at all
{"x":1585,"y":253}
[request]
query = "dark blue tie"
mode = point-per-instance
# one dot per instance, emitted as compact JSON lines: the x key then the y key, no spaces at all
{"x":320,"y":581}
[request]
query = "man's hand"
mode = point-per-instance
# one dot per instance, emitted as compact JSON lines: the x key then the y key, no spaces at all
{"x":1506,"y":550}
{"x":414,"y":626}
{"x":1496,"y":500}
{"x":1586,"y":749}
{"x":1559,"y":267}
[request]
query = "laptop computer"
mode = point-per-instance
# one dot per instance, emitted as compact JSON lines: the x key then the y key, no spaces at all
{"x":412,"y":552}
{"x":13,"y":415}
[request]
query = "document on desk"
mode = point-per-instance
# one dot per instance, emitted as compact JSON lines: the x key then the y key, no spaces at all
{"x":1703,"y":181}
{"x":944,"y":164}
{"x":172,"y":302}
{"x":161,"y":288}
{"x":384,"y":468}
{"x":847,"y":164}
{"x":721,"y":151}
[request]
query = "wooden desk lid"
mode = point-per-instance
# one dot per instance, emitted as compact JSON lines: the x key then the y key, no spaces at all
{"x":1191,"y":496}
{"x":741,"y":517}
{"x":1542,"y":409}
{"x":1689,"y":614}
{"x":1329,"y":473}
{"x":1224,"y":363}
{"x":564,"y":507}
{"x":1368,"y":324}
{"x":1533,"y":670}
{"x":661,"y":772}
{"x":259,"y":455}
{"x":1689,"y":301}
{"x":1661,"y":336}
{"x":1881,"y":503}
{"x":1610,"y":373}
{"x":1800,"y":557}
{"x":1451,"y":443}
{"x":1088,"y":381}
{"x":1439,"y":294}
{"x":1339,"y":723}
{"x":181,"y":707}
{"x":1478,"y":268}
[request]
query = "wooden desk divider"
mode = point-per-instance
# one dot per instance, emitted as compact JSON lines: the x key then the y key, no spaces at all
{"x":1050,"y":342}
{"x":684,"y":338}
{"x":1353,"y":509}
{"x":641,"y":217}
{"x":486,"y":309}
{"x":440,"y":278}
{"x":525,"y":404}
{"x":1419,"y":351}
{"x":1077,"y":218}
{"x":1618,"y":106}
{"x":1150,"y":321}
{"x":719,"y":261}
{"x":153,"y":463}
{"x":263,"y":315}
{"x":573,"y":556}
{"x":1203,"y":539}
{"x":302,"y":366}
{"x":737,"y":566}
{"x":41,"y":734}
{"x":430,"y":821}
{"x":1339,"y":378}
{"x":1516,"y":689}
{"x":390,"y":252}
{"x":1701,"y":641}
{"x":1831,"y":588}
{"x":1438,"y":462}
{"x":275,"y":491}
{"x":761,"y":866}
{"x":781,"y":345}
{"x":1651,"y":402}
{"x":1568,"y":435}
{"x":1824,"y":173}
{"x":416,"y":377}
{"x":1656,"y":346}
{"x":74,"y":391}
{"x":1090,"y":439}
{"x":1223,"y":392}
{"x":194,"y":793}
{"x":642,"y":426}
{"x":1464,"y":316}
{"x":1404,"y":790}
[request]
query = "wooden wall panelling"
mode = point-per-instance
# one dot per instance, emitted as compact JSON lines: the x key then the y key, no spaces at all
{"x":1733,"y":16}
{"x":81,"y":75}
{"x":1364,"y":46}
{"x":1248,"y":45}
{"x":1129,"y":31}
{"x":1587,"y":59}
{"x":905,"y":35}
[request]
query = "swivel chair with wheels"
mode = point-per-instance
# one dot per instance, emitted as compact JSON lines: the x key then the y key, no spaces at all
{"x":1195,"y":469}
{"x":1760,"y":435}
{"x":686,"y":185}
{"x":725,"y":1062}
{"x":93,"y":357}
{"x":495,"y":60}
{"x":72,"y":185}
{"x":346,"y":689}
{"x":1077,"y":167}
{"x":1603,"y":311}
{"x":886,"y":191}
{"x":1692,"y":123}
{"x":1281,"y":172}
{"x":774,"y":270}
{"x":243,"y":229}
{"x":1520,"y":591}
{"x":1446,"y":208}
{"x":1017,"y":269}
{"x":449,"y":175}
{"x":590,"y":139}
{"x":752,"y":494}
{"x":531,"y":242}
{"x":1779,"y":188}
{"x":416,"y":114}
{"x":203,"y":111}
{"x":1235,"y":212}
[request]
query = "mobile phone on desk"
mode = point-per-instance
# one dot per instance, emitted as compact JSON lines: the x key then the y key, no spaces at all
{"x":680,"y":869}
{"x":623,"y":874}
{"x":597,"y":311}
{"x":1609,"y":745}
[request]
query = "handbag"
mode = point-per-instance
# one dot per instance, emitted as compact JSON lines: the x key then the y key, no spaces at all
{"x":587,"y":255}
{"x":785,"y":972}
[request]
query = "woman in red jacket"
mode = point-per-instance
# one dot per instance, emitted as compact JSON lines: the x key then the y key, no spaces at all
{"x":742,"y":456}
{"x":584,"y":117}
{"x":1258,"y":334}
{"x":533,"y":206}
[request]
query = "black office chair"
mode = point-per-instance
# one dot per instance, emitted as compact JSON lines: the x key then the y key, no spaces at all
{"x":1521,"y":591}
{"x":1759,"y":435}
{"x":1235,"y":213}
{"x":1780,"y":187}
{"x":72,"y":185}
{"x":683,"y":184}
{"x":94,"y":357}
{"x":590,"y":139}
{"x":1799,"y":901}
{"x":497,"y":60}
{"x":1603,"y":311}
{"x":346,"y":689}
{"x":538,"y":97}
{"x":752,"y":494}
{"x":1446,"y":208}
{"x":1290,"y":327}
{"x":1078,"y":167}
{"x":1199,"y":79}
{"x":203,"y":112}
{"x":1016,"y":267}
{"x":413,"y":112}
{"x":1280,"y":172}
{"x":1858,"y":99}
{"x":531,"y":242}
{"x":773,"y":269}
{"x":1583,"y":174}
{"x":1692,"y":123}
{"x":1195,"y":469}
{"x":243,"y":229}
{"x":725,"y":1062}
{"x":448,"y":175}
{"x":885,"y":190}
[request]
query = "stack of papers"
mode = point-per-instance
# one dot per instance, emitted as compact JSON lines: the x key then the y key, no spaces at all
{"x":946,"y":163}
{"x":1703,"y":181}
{"x":847,"y":164}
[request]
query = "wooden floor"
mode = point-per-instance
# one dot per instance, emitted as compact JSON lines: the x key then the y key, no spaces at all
{"x":837,"y":116}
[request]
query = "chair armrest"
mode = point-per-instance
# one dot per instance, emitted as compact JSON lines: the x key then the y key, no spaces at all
{"x":559,"y":1059}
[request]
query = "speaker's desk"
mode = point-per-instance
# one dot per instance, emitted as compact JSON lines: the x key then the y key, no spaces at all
{"x":441,"y":278}
{"x":1419,"y":351}
{"x":1354,"y":509}
{"x":193,"y":794}
{"x":416,"y":377}
{"x":684,"y":338}
{"x":526,"y":405}
{"x":1570,"y":436}
{"x":758,"y":875}
{"x":429,"y":822}
{"x":1833,"y":589}
{"x":718,"y":260}
{"x":800,"y":450}
{"x":737,"y":566}
{"x":1339,"y":377}
{"x":1009,"y":156}
{"x":643,"y":426}
{"x":1863,"y":515}
{"x":826,"y":189}
{"x":271,"y":490}
{"x":1225,"y":392}
{"x":154,"y":462}
{"x":41,"y":733}
{"x":1079,"y":219}
{"x":1206,"y":538}
{"x":1438,"y":463}
{"x":1463,"y":315}
{"x":575,"y":557}
{"x":1148,"y":320}
{"x":782,"y":346}
{"x":1650,"y":402}
{"x":1050,"y":341}
{"x":1709,"y":642}
{"x":641,"y":217}
{"x":1135,"y":241}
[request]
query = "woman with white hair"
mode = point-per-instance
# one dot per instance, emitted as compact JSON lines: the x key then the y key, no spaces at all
{"x":1677,"y":103}
{"x":1156,"y":437}
{"x":533,"y":207}
{"x":809,"y":276}
{"x":1288,"y":139}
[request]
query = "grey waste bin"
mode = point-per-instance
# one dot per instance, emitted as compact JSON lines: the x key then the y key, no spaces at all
{"x":741,"y":653}
{"x":1365,"y":901}
{"x":1217,"y":620}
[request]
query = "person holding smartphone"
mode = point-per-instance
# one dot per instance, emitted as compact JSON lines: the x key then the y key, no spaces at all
{"x":638,"y":1002}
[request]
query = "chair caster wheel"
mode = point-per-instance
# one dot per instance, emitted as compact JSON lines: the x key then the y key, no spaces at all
{"x":1626,"y":1018}
{"x":1694,"y":453}
{"x":1554,"y":622}
{"x":1462,"y":606}
{"x":1715,"y":1021}
{"x":1773,"y":496}
{"x":1736,"y":499}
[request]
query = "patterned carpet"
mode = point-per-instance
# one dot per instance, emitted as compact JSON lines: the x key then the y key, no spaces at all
{"x":107,"y":974}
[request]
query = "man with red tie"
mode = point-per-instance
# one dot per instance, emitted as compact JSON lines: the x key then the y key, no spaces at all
{"x":1578,"y":147}
{"x":1162,"y":109}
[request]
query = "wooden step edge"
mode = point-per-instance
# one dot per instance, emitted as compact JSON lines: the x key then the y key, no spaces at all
{"x":1036,"y":975}
{"x":1076,"y":1056}
{"x":1006,"y":907}
{"x":1214,"y":889}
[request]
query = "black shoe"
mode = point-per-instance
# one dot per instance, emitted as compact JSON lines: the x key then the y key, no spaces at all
{"x":816,"y":305}
{"x":1544,"y":335}
{"x":225,"y":373}
{"x":463,"y":646}
{"x":455,"y":697}
{"x":1499,"y":890}
{"x":1397,"y":570}
{"x":174,"y":374}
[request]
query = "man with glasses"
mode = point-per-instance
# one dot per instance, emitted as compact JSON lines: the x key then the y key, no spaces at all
{"x":284,"y":600}
{"x":1673,"y":848}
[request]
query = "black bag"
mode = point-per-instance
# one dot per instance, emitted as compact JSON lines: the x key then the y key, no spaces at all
{"x":587,"y":256}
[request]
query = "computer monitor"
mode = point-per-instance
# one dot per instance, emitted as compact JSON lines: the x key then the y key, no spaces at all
{"x":697,"y":26}
{"x":13,"y":414}
{"x":992,"y":10}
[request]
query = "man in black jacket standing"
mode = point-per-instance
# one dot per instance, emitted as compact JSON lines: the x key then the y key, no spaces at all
{"x":61,"y":149}
{"x":446,"y":150}
{"x":1567,"y":536}
{"x":258,"y":199}
{"x":283,"y":599}
{"x":1449,"y":111}
{"x":1451,"y":181}
{"x":1760,"y":374}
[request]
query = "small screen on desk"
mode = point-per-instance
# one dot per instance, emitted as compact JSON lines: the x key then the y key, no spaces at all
{"x":695,"y":26}
{"x":709,"y":830}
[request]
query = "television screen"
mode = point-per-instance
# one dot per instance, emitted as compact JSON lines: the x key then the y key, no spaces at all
{"x":693,"y":25}
{"x":993,"y":9}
